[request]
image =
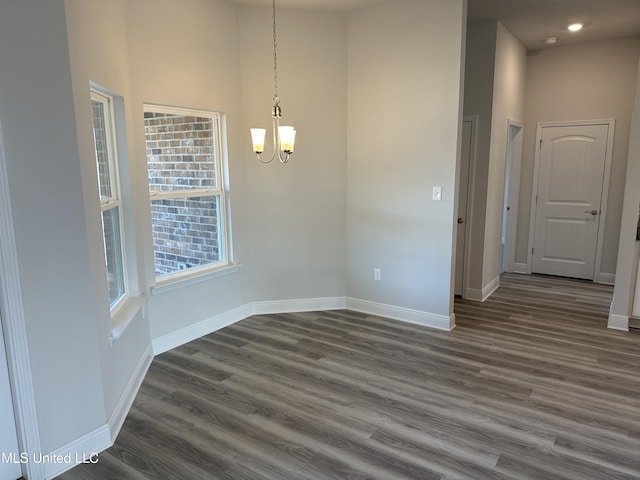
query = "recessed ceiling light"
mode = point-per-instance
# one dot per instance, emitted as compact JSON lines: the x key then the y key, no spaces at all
{"x":575,"y":27}
{"x":550,"y":40}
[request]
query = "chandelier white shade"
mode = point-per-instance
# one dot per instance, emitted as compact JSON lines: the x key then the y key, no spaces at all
{"x":284,"y":137}
{"x":287,"y":138}
{"x":284,"y":141}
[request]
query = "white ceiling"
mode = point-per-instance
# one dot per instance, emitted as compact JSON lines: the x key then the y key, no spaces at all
{"x":531,"y":21}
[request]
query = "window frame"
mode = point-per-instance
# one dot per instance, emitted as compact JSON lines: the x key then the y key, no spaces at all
{"x":114,"y":201}
{"x":221,"y":191}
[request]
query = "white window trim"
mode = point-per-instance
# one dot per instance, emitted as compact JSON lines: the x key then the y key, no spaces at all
{"x":194,"y":275}
{"x":225,"y":265}
{"x":122,"y":317}
{"x":107,"y":99}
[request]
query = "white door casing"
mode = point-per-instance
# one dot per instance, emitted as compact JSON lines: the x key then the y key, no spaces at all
{"x":15,"y":331}
{"x":10,"y":468}
{"x":572,"y":167}
{"x":465,"y":188}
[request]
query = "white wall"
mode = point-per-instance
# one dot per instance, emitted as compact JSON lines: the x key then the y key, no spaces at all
{"x":404,"y":63}
{"x":99,"y":53}
{"x":297,"y":214}
{"x":494,"y":91}
{"x":508,"y":104}
{"x":478,"y":100}
{"x":627,"y":265}
{"x":46,"y":188}
{"x":581,"y":82}
{"x":187,"y":54}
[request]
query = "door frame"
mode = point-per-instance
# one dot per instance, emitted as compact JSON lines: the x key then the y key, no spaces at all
{"x":9,"y":431}
{"x":15,"y":332}
{"x":611,"y":123}
{"x":513,"y":165}
{"x":473,"y":150}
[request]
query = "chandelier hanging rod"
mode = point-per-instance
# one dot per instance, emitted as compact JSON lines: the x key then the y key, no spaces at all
{"x":283,"y":136}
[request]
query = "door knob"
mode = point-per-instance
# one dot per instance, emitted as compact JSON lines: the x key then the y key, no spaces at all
{"x":460,"y":220}
{"x":592,"y":212}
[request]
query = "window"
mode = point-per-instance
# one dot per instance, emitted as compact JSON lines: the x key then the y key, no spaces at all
{"x":186,"y":187}
{"x":110,"y":200}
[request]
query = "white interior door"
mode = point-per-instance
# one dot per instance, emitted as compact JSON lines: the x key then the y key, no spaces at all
{"x":463,"y":195}
{"x":10,"y":468}
{"x":572,"y":165}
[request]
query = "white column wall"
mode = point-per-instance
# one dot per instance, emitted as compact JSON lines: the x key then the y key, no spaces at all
{"x":403,"y":119}
{"x":478,"y":100}
{"x":508,"y":104}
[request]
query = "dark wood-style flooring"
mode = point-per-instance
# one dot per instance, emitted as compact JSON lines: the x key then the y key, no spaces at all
{"x":530,"y":385}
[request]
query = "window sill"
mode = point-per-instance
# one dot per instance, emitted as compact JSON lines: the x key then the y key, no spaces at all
{"x":125,"y":314}
{"x":195,"y":277}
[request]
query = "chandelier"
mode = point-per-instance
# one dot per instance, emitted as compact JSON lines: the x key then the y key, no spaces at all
{"x":283,"y":136}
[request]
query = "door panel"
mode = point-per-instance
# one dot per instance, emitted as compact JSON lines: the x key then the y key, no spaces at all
{"x":10,"y":465}
{"x":570,"y":183}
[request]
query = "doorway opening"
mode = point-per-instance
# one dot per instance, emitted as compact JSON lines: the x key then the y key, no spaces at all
{"x":511,"y":197}
{"x":465,"y":194}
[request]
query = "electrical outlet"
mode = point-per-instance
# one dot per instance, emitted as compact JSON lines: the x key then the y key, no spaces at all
{"x":377,"y":274}
{"x":437,"y":193}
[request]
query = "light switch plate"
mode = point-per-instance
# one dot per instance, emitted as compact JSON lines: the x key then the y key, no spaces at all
{"x":437,"y":193}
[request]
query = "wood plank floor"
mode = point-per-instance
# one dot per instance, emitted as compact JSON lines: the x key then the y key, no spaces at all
{"x":530,"y":385}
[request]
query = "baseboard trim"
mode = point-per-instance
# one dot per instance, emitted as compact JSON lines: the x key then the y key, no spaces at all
{"x":82,"y":450}
{"x":477,"y":295}
{"x":440,"y":322}
{"x":618,"y":322}
{"x":492,"y":287}
{"x":607,"y":278}
{"x":520,"y":268}
{"x":192,"y":332}
{"x":302,"y":305}
{"x":634,"y":322}
{"x":123,"y":406}
{"x":205,"y":327}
